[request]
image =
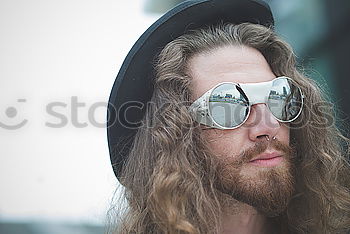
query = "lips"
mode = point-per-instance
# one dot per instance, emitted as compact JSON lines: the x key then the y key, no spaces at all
{"x":267,"y":159}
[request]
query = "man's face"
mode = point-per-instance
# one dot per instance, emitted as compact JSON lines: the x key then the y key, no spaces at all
{"x":266,"y":184}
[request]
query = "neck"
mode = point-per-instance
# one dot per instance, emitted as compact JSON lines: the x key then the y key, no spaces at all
{"x":240,"y":218}
{"x":248,"y":221}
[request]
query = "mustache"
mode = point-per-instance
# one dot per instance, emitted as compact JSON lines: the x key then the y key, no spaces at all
{"x":248,"y":154}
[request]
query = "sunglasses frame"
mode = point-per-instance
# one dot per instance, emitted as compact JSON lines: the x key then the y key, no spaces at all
{"x":200,"y":107}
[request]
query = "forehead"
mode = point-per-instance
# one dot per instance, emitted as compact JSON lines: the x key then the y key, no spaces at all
{"x":239,"y":64}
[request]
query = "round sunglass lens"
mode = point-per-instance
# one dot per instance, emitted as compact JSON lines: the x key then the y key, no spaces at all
{"x":285,"y":100}
{"x":228,"y":106}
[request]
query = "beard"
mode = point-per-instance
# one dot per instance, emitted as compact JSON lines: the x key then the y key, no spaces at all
{"x":267,"y":189}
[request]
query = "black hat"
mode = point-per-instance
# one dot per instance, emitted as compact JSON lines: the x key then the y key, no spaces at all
{"x":133,"y":86}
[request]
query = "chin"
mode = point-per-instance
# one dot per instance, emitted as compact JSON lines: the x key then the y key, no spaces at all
{"x":268,"y":189}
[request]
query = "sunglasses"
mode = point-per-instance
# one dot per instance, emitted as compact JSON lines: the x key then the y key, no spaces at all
{"x":227,"y":105}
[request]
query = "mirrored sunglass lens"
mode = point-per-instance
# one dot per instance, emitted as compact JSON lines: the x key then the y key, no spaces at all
{"x":228,"y":105}
{"x":285,"y":100}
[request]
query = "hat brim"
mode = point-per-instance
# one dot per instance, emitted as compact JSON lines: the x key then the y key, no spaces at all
{"x":133,"y":86}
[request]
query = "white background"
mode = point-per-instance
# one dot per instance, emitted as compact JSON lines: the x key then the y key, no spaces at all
{"x":51,"y":51}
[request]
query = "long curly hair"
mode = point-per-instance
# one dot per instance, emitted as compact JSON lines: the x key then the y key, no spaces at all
{"x":169,"y":177}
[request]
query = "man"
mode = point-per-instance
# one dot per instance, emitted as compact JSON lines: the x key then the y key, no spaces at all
{"x":223,"y":134}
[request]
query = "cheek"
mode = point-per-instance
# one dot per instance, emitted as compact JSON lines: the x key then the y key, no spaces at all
{"x":283,"y":134}
{"x":225,"y":143}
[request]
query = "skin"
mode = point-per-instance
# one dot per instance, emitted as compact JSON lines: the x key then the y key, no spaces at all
{"x":238,"y":64}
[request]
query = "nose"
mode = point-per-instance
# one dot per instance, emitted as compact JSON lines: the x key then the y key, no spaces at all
{"x":261,"y":123}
